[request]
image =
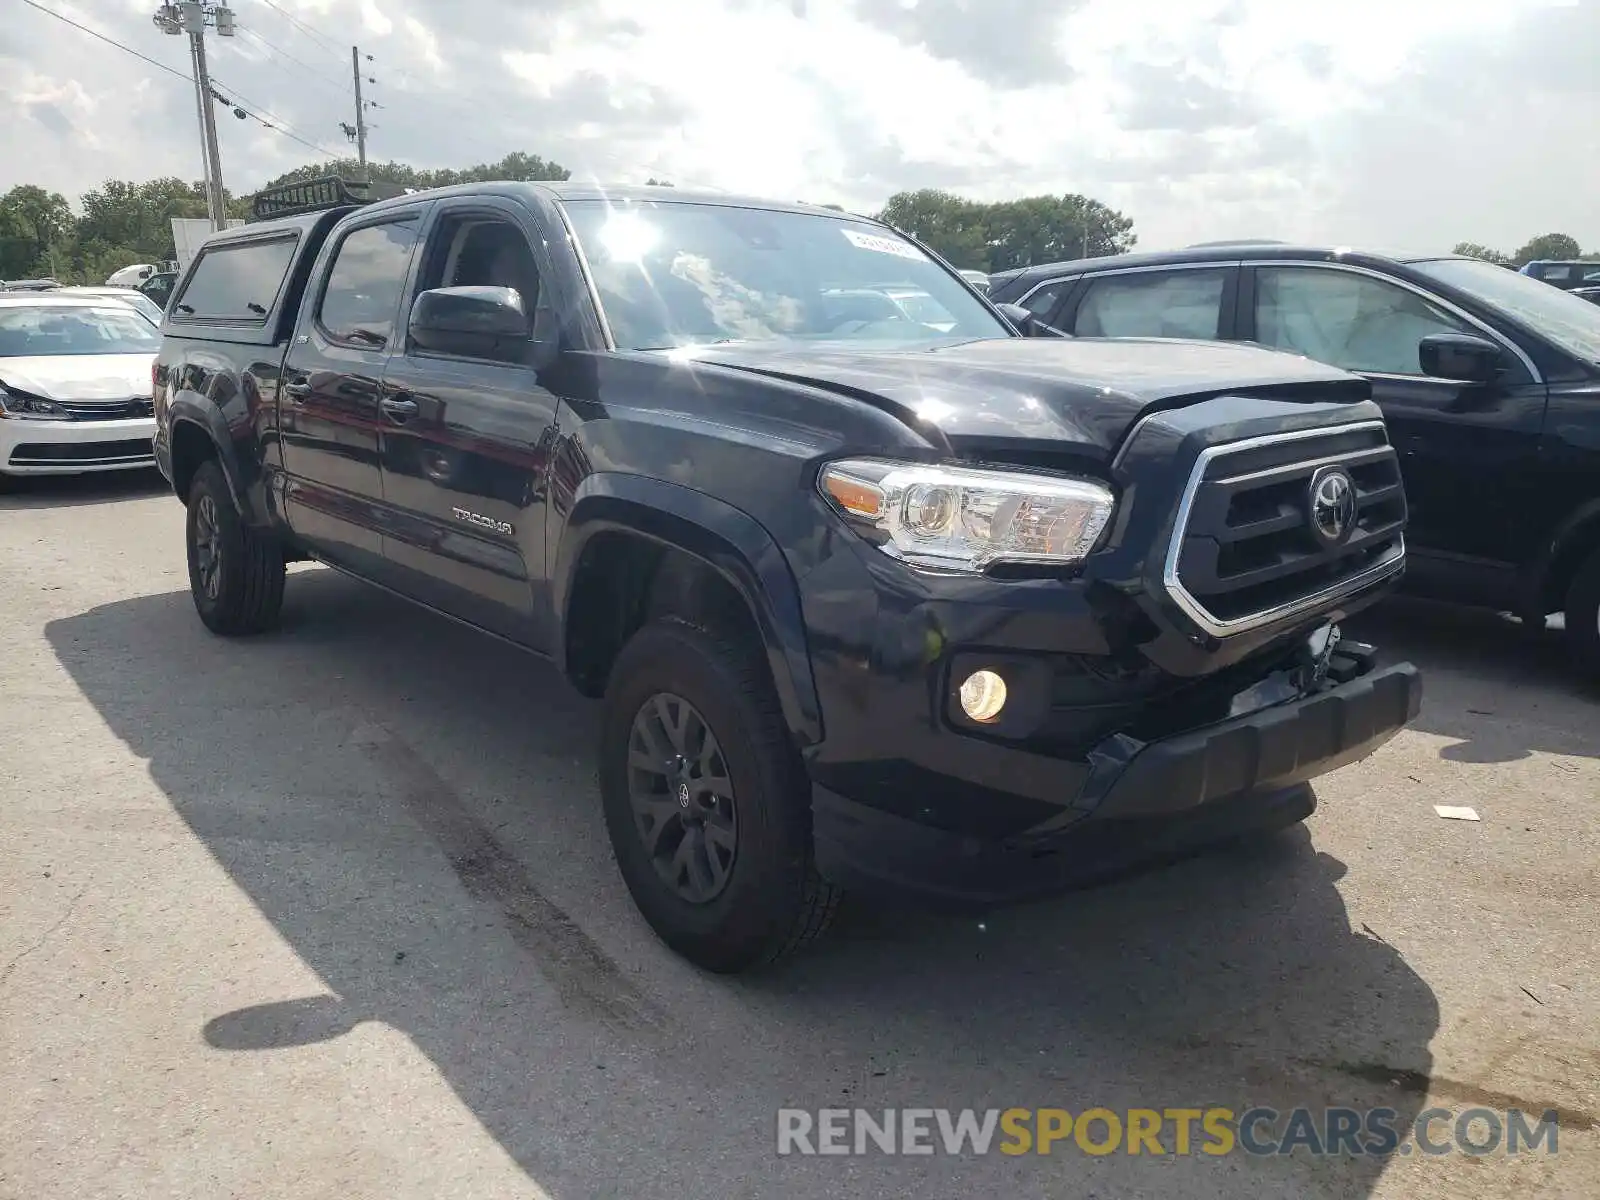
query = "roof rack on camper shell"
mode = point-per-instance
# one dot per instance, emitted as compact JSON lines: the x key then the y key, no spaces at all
{"x":317,"y":195}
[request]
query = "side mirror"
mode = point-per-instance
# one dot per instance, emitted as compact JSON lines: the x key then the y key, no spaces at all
{"x":474,"y":321}
{"x":1028,"y":324}
{"x":1462,"y":356}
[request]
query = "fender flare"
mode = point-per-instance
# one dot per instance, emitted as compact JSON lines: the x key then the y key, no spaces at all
{"x":1583,"y":520}
{"x":729,"y":541}
{"x":187,"y":409}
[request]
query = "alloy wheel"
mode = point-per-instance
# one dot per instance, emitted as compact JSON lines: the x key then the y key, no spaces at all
{"x":208,"y":546}
{"x":682,"y":798}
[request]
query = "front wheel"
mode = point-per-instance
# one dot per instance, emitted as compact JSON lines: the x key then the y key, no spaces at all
{"x":706,"y":802}
{"x":235,"y":573}
{"x":1583,"y":616}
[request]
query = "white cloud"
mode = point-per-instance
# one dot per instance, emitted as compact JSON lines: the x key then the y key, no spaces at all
{"x":1377,"y":122}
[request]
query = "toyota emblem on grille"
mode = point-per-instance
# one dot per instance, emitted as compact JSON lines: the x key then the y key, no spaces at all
{"x":1332,"y":496}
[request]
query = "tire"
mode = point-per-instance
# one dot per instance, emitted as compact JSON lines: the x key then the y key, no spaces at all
{"x":235,"y":573}
{"x":1583,"y":616}
{"x":768,"y":900}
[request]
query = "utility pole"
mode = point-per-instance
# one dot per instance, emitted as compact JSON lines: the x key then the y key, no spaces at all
{"x":361,"y":118}
{"x":215,"y":198}
{"x":192,"y":17}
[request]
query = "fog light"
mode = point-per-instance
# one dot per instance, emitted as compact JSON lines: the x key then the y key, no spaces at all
{"x":983,"y":695}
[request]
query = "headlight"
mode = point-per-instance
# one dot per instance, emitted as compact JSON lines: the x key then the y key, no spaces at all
{"x":969,"y":518}
{"x":30,"y":408}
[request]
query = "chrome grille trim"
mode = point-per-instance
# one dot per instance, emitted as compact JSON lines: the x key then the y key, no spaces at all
{"x":1220,"y":627}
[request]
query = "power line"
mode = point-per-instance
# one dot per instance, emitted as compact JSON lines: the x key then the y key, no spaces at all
{"x":240,"y":111}
{"x":276,"y":125}
{"x":272,"y":120}
{"x":327,"y":43}
{"x":284,"y":54}
{"x":110,"y":41}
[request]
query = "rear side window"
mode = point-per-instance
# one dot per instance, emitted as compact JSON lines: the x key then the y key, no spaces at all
{"x":1174,"y":304}
{"x":363,"y":292}
{"x":239,"y":281}
{"x":1043,"y":302}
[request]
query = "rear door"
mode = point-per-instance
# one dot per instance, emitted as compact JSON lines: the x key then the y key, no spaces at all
{"x":1188,"y":300}
{"x":465,"y":440}
{"x":1469,"y":452}
{"x":328,"y":411}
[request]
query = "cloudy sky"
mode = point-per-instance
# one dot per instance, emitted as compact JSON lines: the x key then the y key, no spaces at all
{"x":1403,"y":123}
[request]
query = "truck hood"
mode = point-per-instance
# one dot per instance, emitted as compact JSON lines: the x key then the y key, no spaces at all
{"x":79,"y":376}
{"x":1087,"y":391}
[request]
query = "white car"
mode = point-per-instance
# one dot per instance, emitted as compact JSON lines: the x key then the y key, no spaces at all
{"x":74,"y":385}
{"x":136,"y":300}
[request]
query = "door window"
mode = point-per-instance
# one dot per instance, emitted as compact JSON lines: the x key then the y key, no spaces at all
{"x":1043,"y":302}
{"x":1347,"y":320}
{"x":472,"y":250}
{"x":1177,"y":304}
{"x":363,"y":292}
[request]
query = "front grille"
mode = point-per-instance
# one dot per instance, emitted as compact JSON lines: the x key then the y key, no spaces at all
{"x":129,"y":452}
{"x":1245,"y":552}
{"x":131,"y":409}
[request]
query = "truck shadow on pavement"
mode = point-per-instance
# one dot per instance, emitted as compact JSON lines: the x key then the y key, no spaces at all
{"x":412,"y":808}
{"x":1502,"y":689}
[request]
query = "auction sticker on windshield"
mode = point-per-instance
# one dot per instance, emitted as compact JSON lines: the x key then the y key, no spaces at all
{"x":883,"y":245}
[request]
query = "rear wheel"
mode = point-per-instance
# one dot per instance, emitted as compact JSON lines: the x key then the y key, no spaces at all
{"x":1583,"y":615}
{"x":705,"y":800}
{"x":235,"y":573}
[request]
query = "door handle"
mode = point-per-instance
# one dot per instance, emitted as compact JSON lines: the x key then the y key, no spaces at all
{"x":299,"y":389}
{"x":399,"y":408}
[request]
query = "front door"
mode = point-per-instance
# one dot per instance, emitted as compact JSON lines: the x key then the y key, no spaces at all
{"x":465,"y":440}
{"x":1468,"y":452}
{"x":330,"y":390}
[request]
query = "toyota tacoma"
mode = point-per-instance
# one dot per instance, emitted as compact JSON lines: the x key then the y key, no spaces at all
{"x":946,"y":604}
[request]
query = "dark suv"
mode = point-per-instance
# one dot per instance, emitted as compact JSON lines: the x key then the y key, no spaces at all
{"x":1489,"y":381}
{"x":870,"y":601}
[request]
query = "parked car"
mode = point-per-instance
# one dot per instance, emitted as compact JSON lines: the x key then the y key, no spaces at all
{"x":1489,"y":381}
{"x":1565,"y":274}
{"x":977,"y":279}
{"x":888,"y":302}
{"x":30,"y":285}
{"x":1591,"y":294}
{"x":134,"y":299}
{"x":74,"y":385}
{"x":867,"y":603}
{"x":158,"y":288}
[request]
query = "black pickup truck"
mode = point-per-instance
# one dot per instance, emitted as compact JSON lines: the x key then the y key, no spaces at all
{"x":940,"y":607}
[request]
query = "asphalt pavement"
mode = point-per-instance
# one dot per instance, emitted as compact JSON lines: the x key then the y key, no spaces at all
{"x":331,"y":912}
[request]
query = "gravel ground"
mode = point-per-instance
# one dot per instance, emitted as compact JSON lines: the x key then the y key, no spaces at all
{"x":331,"y":913}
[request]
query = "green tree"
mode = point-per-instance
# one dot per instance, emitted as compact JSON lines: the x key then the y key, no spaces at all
{"x":33,"y":224}
{"x":1043,"y":229}
{"x":1474,"y":250}
{"x":1011,"y":233}
{"x":949,"y":225}
{"x":1548,"y":245}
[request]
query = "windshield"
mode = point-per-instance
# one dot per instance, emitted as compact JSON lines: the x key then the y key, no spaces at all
{"x":79,"y":329}
{"x":676,"y":273}
{"x":1567,"y":320}
{"x":138,"y":301}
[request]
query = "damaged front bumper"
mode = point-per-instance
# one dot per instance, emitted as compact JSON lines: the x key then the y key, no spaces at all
{"x":1137,"y":800}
